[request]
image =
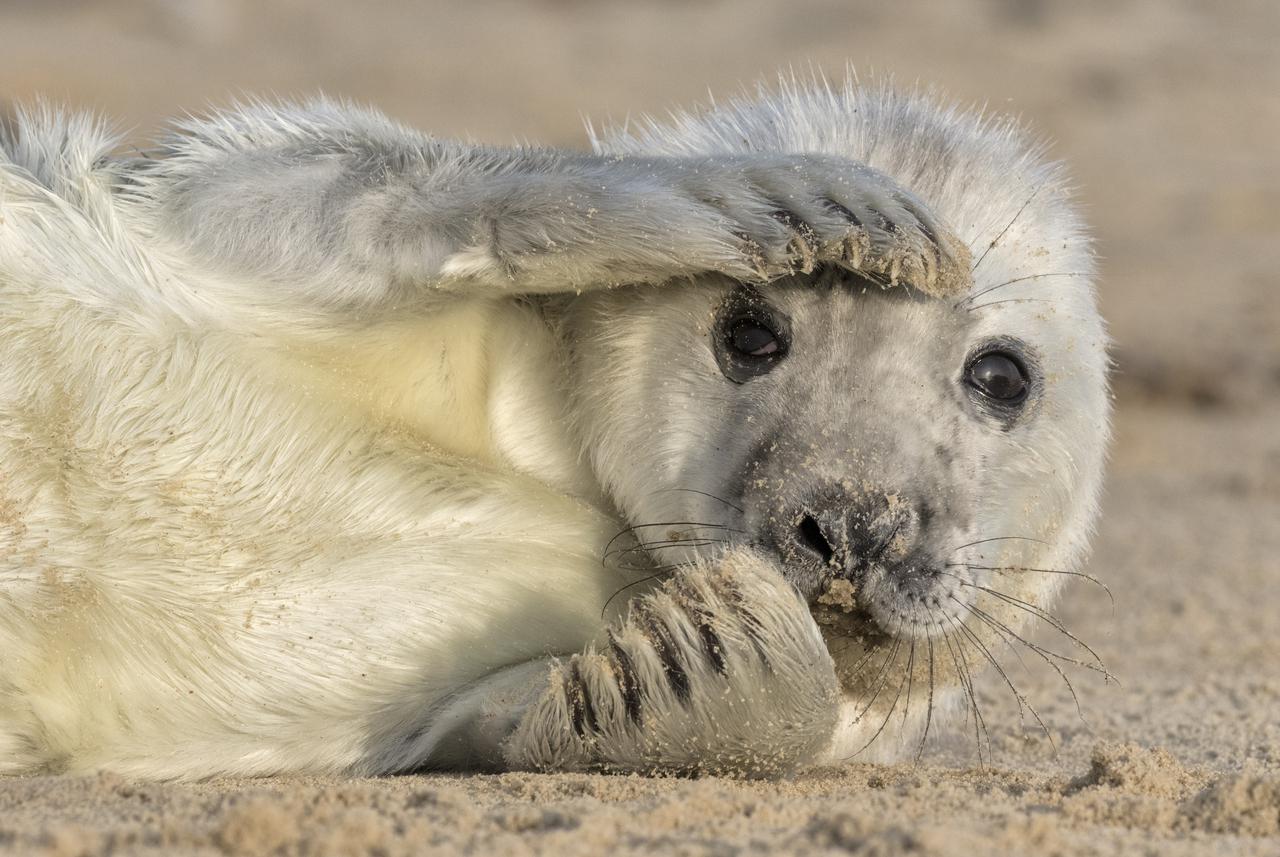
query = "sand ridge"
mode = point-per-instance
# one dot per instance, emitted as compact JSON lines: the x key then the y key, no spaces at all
{"x":1126,"y":792}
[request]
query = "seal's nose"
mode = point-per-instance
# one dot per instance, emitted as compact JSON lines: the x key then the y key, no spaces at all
{"x":853,"y":531}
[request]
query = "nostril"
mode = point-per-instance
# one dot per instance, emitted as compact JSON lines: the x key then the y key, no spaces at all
{"x":811,"y":537}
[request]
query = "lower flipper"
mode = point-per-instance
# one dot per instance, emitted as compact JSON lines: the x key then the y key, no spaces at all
{"x":721,"y":671}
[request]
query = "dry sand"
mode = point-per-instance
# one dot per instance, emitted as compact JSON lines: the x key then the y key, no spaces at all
{"x":1168,"y":113}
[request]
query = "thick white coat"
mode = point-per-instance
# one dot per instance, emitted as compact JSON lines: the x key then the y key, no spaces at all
{"x":264,"y":509}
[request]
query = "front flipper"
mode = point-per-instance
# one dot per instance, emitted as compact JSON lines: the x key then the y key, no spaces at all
{"x":721,"y":671}
{"x":326,"y":209}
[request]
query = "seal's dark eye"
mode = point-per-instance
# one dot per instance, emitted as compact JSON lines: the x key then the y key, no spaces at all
{"x":752,"y":338}
{"x":998,"y":376}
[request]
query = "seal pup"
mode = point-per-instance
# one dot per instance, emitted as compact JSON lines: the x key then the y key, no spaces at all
{"x":315,"y":432}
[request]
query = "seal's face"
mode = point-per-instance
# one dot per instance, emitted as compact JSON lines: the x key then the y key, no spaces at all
{"x":890,"y":448}
{"x":925,"y":469}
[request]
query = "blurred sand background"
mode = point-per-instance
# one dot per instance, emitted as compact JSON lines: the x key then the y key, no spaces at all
{"x":1168,"y":112}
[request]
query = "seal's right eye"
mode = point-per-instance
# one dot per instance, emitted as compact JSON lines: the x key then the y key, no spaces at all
{"x":753,"y":338}
{"x":999,"y":376}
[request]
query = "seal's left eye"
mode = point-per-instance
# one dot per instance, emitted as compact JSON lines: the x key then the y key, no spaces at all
{"x":998,"y":375}
{"x":752,"y":338}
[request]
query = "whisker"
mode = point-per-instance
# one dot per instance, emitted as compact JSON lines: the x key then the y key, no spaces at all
{"x":648,"y":547}
{"x":880,"y":679}
{"x":966,"y":682}
{"x":889,"y":714}
{"x":998,"y":539}
{"x":1099,"y":667}
{"x":928,"y":717}
{"x":679,"y":524}
{"x":973,"y":297}
{"x":632,"y":529}
{"x":1034,"y":610}
{"x":1009,"y":301}
{"x":911,"y":668}
{"x":1000,"y":627}
{"x":1007,"y":568}
{"x":1016,"y":653}
{"x":704,"y":494}
{"x":655,"y":576}
{"x":1020,"y":698}
{"x":862,"y":662}
{"x":1007,"y":227}
{"x":973,"y":688}
{"x":1039,"y":613}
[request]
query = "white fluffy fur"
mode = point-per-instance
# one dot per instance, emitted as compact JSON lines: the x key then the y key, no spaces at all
{"x":290,"y":481}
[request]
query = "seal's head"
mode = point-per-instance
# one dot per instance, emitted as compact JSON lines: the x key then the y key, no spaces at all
{"x":923,"y":466}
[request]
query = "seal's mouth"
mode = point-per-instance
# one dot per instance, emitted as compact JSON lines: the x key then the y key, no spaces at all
{"x":850,"y":630}
{"x":878,"y":600}
{"x":839,"y":613}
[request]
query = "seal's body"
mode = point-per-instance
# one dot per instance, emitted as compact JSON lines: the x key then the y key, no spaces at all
{"x":327,"y":446}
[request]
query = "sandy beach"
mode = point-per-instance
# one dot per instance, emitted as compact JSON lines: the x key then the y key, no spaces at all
{"x":1165,"y":112}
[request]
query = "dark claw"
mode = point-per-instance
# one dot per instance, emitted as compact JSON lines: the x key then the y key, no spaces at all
{"x":576,"y":693}
{"x":754,"y":252}
{"x":662,"y":644}
{"x":749,"y":623}
{"x":711,"y":642}
{"x":928,"y":233}
{"x":796,"y":225}
{"x":702,"y":619}
{"x":626,"y":680}
{"x":842,"y":211}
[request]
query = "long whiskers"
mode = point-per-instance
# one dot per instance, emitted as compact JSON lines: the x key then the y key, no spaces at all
{"x":1054,"y":622}
{"x":928,"y":716}
{"x":965,"y":675}
{"x":999,"y":539}
{"x":956,"y":636}
{"x":893,"y":705}
{"x":1024,"y":568}
{"x":1035,"y":191}
{"x":973,"y":297}
{"x":1019,"y":697}
{"x":1005,"y":632}
{"x":881,"y":681}
{"x":650,"y":547}
{"x":881,"y":677}
{"x":631,"y":530}
{"x":715,"y":497}
{"x":976,"y":307}
{"x":663,"y":570}
{"x":644,"y":548}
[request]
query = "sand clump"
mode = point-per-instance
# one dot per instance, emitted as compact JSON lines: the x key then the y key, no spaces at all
{"x":1246,"y":804}
{"x":1134,"y":769}
{"x":1142,"y":787}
